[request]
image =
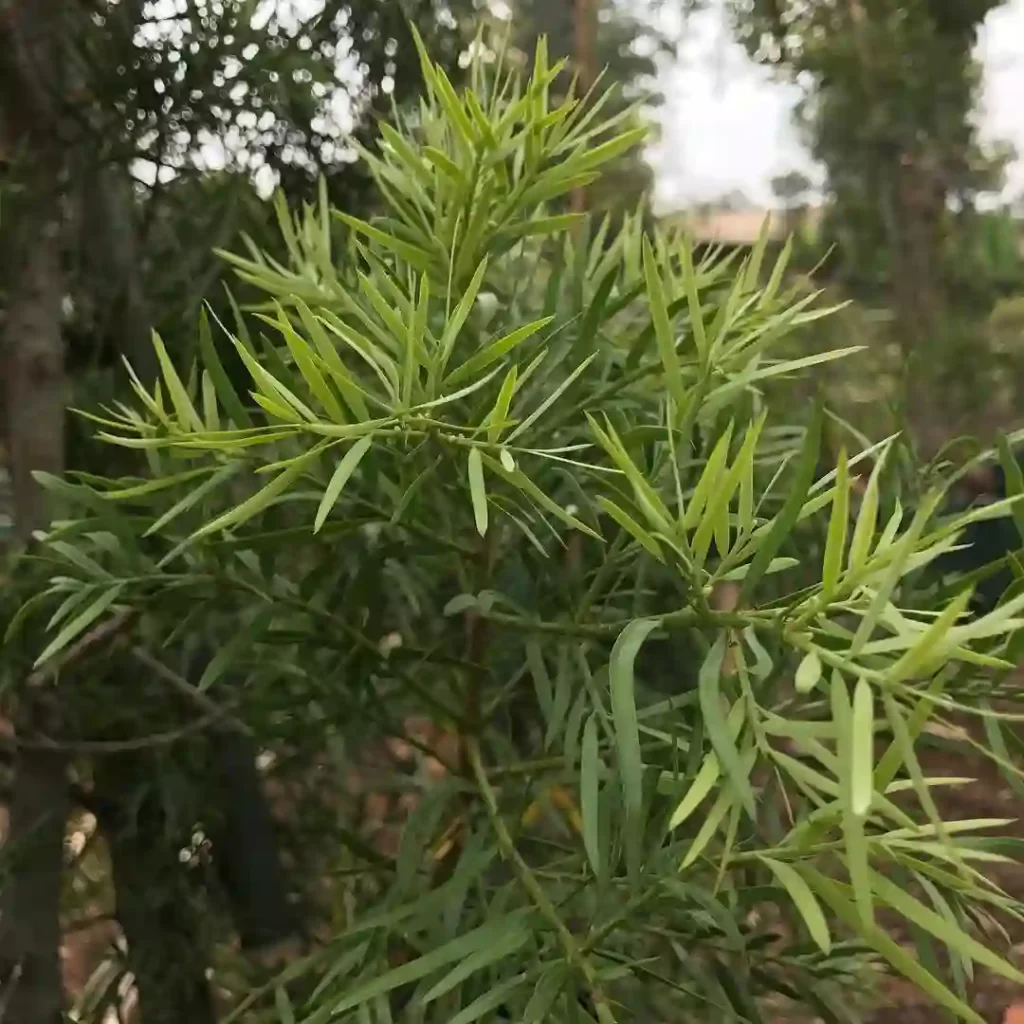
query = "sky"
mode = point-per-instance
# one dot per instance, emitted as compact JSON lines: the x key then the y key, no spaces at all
{"x":726,"y":123}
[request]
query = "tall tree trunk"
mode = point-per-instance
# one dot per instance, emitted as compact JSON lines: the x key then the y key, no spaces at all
{"x":33,"y":363}
{"x":155,"y":906}
{"x":246,"y":854}
{"x":585,"y":59}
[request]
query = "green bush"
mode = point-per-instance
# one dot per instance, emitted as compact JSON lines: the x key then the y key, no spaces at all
{"x":492,"y":465}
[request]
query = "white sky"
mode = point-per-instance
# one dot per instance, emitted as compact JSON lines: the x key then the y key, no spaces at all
{"x":726,"y":122}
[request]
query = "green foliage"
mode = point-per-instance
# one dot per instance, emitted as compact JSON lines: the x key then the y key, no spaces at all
{"x":533,"y":449}
{"x":627,"y":49}
{"x":892,"y":87}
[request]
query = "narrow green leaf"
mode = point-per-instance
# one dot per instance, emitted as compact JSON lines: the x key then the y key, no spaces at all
{"x":693,"y":301}
{"x":187,"y":415}
{"x":862,"y":738}
{"x":484,"y":1005}
{"x":708,"y":773}
{"x":835,"y":545}
{"x":517,"y":478}
{"x":853,"y":824}
{"x":499,"y":414}
{"x":412,"y":254}
{"x":1014,"y":483}
{"x":913,"y":910}
{"x":495,"y":350}
{"x":458,"y":949}
{"x":343,"y":380}
{"x":663,"y":327}
{"x":211,"y":360}
{"x":717,"y":727}
{"x":783,"y":523}
{"x":477,"y":490}
{"x":225,"y":473}
{"x":632,"y":527}
{"x":458,"y":317}
{"x":808,"y":672}
{"x":257,"y":503}
{"x":703,"y":783}
{"x":345,"y":468}
{"x":590,"y":782}
{"x":79,"y":624}
{"x":623,"y":698}
{"x":906,"y":963}
{"x":511,"y":938}
{"x":867,"y":518}
{"x":804,"y":900}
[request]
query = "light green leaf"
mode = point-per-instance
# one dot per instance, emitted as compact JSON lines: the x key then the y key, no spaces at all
{"x":787,"y":517}
{"x":867,"y":518}
{"x":498,"y":416}
{"x":862,"y":749}
{"x":79,"y":624}
{"x":804,"y":900}
{"x":853,"y":824}
{"x":835,"y":545}
{"x":345,"y":468}
{"x":477,"y":490}
{"x":632,"y":527}
{"x":186,"y":412}
{"x":808,"y":672}
{"x":663,"y":327}
{"x":623,"y":696}
{"x":257,"y":503}
{"x":458,"y":317}
{"x":495,"y":350}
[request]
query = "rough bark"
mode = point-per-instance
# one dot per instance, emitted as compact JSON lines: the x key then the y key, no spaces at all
{"x":33,"y":363}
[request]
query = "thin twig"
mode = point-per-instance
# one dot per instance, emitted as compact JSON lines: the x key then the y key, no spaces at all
{"x":534,"y":889}
{"x":157,"y":739}
{"x":78,"y":650}
{"x":184,"y":687}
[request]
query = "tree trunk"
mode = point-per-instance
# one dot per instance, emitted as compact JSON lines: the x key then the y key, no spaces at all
{"x":33,"y":362}
{"x":246,"y":854}
{"x":155,"y":905}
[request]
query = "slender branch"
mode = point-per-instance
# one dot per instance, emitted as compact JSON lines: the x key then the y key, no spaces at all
{"x":184,"y":687}
{"x":534,"y":889}
{"x":158,"y":739}
{"x":610,"y":630}
{"x":78,"y":650}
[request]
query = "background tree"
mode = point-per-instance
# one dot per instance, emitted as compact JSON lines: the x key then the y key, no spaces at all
{"x":892,"y":87}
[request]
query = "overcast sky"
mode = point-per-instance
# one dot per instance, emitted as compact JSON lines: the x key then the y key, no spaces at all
{"x":726,"y":123}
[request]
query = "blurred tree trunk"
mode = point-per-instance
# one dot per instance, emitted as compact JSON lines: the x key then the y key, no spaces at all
{"x":246,"y":854}
{"x":154,"y":902}
{"x":33,"y":378}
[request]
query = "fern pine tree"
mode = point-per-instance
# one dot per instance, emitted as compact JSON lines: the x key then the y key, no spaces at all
{"x":490,"y":464}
